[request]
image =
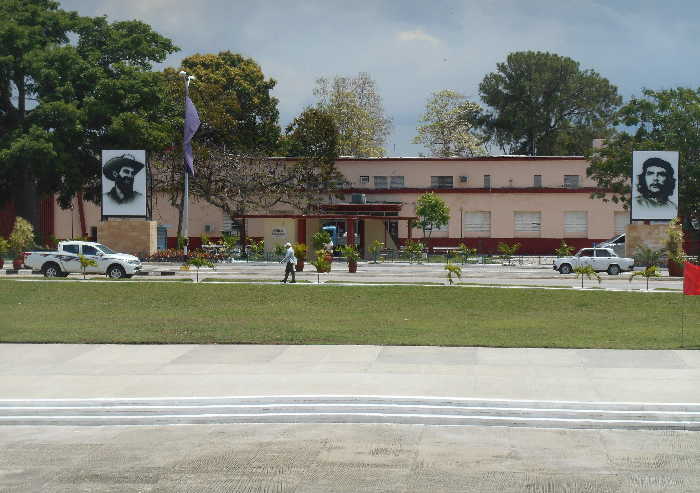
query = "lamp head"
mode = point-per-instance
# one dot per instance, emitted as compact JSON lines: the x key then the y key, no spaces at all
{"x":182,"y":73}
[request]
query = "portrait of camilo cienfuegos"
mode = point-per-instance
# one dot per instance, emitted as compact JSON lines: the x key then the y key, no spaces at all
{"x":123,"y":183}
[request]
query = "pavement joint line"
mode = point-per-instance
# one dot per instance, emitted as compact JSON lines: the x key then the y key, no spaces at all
{"x":349,"y":397}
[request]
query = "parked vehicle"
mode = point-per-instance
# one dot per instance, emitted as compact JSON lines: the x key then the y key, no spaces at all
{"x":601,"y":259}
{"x":66,"y":260}
{"x":617,"y":243}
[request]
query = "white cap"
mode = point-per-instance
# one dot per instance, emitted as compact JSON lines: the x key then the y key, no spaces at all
{"x":287,"y":244}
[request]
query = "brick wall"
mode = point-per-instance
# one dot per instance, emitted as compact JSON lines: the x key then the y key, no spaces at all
{"x":137,"y":237}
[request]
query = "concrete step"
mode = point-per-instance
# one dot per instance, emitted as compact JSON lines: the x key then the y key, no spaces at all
{"x":351,"y":409}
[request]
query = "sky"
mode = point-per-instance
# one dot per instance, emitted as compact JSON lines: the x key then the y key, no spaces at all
{"x":412,"y":48}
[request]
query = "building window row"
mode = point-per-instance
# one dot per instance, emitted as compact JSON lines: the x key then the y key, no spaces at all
{"x":447,"y":182}
{"x":385,"y":181}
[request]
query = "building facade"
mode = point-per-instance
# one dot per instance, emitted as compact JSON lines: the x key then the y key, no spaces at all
{"x":534,"y":201}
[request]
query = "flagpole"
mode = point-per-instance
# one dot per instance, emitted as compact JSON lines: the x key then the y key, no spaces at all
{"x":186,"y":194}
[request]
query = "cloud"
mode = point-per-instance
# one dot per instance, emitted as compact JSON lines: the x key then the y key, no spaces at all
{"x":416,"y":35}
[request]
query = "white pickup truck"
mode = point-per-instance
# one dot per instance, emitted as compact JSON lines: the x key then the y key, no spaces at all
{"x":601,"y":259}
{"x":67,"y":259}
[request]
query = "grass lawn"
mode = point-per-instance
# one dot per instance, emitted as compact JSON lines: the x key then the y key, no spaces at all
{"x":132,"y":312}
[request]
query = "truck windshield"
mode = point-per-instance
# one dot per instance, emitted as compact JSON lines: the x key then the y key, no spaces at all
{"x":105,"y":249}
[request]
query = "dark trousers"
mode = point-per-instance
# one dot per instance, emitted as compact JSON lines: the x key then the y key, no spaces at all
{"x":287,"y":270}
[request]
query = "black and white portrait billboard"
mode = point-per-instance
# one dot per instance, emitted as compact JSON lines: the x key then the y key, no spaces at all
{"x":654,"y":185}
{"x":124,"y":183}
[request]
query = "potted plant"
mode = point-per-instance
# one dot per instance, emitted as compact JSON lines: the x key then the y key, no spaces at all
{"x":352,"y":255}
{"x":300,"y":254}
{"x":4,"y":247}
{"x":674,"y":248}
{"x":21,"y":238}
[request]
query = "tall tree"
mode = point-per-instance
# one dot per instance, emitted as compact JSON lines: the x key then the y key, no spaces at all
{"x":447,"y":126}
{"x":658,"y":120}
{"x":357,"y":109}
{"x":312,"y":138}
{"x":544,"y":104}
{"x":92,"y":92}
{"x":238,"y":115}
{"x":234,"y":101}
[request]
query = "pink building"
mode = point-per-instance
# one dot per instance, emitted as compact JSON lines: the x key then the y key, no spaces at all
{"x":534,"y":201}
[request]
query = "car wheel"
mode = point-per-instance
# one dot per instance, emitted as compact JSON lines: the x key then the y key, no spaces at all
{"x":565,"y":269}
{"x":52,"y":270}
{"x":116,"y":272}
{"x":614,"y":270}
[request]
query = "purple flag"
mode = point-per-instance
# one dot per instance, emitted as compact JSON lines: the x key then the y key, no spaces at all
{"x":191,"y":126}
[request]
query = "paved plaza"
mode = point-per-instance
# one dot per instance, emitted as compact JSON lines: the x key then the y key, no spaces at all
{"x":307,"y":454}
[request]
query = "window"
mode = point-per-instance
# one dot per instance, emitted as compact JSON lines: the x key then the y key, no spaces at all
{"x":477,"y":222}
{"x":89,"y":250}
{"x":537,"y":181}
{"x":381,"y":182}
{"x":571,"y":181}
{"x":441,"y":182}
{"x":528,"y":222}
{"x":487,"y":181}
{"x":622,"y":219}
{"x":364,"y":180}
{"x":586,"y":252}
{"x":231,"y":226}
{"x":397,"y":182}
{"x":601,"y":252}
{"x":71,"y":248}
{"x":576,"y":223}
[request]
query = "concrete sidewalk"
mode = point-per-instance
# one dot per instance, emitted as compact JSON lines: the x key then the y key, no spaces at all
{"x":33,"y":371}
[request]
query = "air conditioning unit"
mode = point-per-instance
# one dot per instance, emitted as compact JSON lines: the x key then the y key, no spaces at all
{"x":463,"y":179}
{"x":359,"y":198}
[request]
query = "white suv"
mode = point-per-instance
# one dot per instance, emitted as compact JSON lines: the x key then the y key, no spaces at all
{"x":601,"y":259}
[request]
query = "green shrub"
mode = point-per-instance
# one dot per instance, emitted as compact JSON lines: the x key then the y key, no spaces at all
{"x":299,"y":251}
{"x":453,"y":270}
{"x":465,"y":252}
{"x":674,"y":242}
{"x":85,"y":263}
{"x":645,"y":256}
{"x":318,"y":240}
{"x":22,"y":236}
{"x":321,"y":263}
{"x":507,"y":251}
{"x":564,"y":250}
{"x":414,"y":251}
{"x":374,"y":250}
{"x":587,"y":271}
{"x":350,"y":253}
{"x":650,"y":271}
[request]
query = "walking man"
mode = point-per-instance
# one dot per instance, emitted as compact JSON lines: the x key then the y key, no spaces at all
{"x":289,"y":261}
